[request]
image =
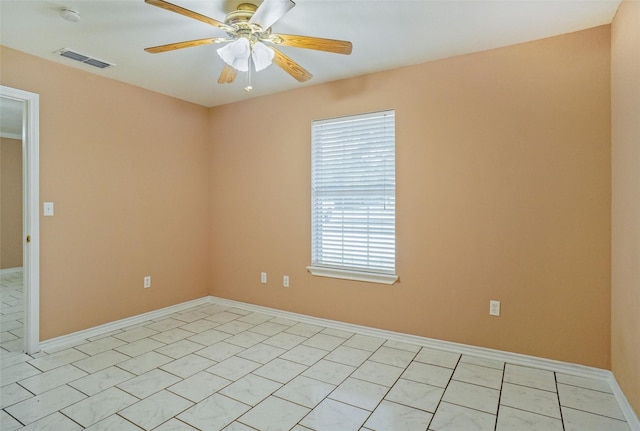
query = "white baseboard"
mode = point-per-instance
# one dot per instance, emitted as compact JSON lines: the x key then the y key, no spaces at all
{"x":75,"y":338}
{"x":482,"y":352}
{"x":7,"y":271}
{"x":607,"y":376}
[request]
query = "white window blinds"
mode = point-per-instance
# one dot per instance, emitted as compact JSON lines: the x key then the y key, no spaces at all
{"x":353,"y":193}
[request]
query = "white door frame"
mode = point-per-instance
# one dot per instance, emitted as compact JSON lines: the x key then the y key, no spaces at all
{"x":30,"y":213}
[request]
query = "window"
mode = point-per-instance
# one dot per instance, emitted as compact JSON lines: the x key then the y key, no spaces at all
{"x":353,"y":197}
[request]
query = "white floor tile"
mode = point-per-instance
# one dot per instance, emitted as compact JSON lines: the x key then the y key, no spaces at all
{"x":304,"y":329}
{"x":156,"y":409}
{"x":199,"y":386}
{"x":113,"y":423}
{"x":304,"y":355}
{"x":148,"y":383}
{"x":213,"y":413}
{"x":391,"y":356}
{"x":209,"y":337}
{"x":417,"y":395}
{"x":284,"y":340}
{"x":526,"y":376}
{"x":13,"y":393}
{"x":274,"y":414}
{"x":397,"y":417}
{"x":100,"y":345}
{"x":100,"y":406}
{"x":188,"y":365}
{"x":429,"y":374}
{"x":55,"y":421}
{"x":101,"y":380}
{"x":246,"y":339}
{"x":451,"y":417}
{"x":490,"y":363}
{"x":576,"y":420}
{"x":323,"y":341}
{"x":478,"y":375}
{"x":333,"y":415}
{"x":589,"y":401}
{"x":472,"y":396}
{"x":37,"y":407}
{"x":364,"y":342}
{"x":375,"y":372}
{"x":171,"y":336}
{"x":438,"y":357}
{"x":510,"y":419}
{"x":7,"y":423}
{"x":174,"y":425}
{"x":180,"y":348}
{"x":268,"y":329}
{"x":305,"y":391}
{"x":101,"y":361}
{"x":349,"y":356}
{"x":145,"y":362}
{"x":58,"y":359}
{"x":52,"y":379}
{"x":220,"y":351}
{"x":261,"y":353}
{"x":529,"y":399}
{"x":329,"y":372}
{"x":359,"y":393}
{"x":583,"y":382}
{"x":233,"y":368}
{"x":280,"y":370}
{"x":250,"y":389}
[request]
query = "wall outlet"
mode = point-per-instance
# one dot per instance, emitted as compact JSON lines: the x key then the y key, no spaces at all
{"x":263,"y":277}
{"x":147,"y":281}
{"x":494,"y":308}
{"x":285,"y":280}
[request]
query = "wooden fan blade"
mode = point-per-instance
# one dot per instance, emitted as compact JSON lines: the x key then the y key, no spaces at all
{"x":186,"y":12}
{"x":180,"y":45}
{"x":290,"y":66}
{"x":228,"y":75}
{"x":317,"y":43}
{"x":270,"y":11}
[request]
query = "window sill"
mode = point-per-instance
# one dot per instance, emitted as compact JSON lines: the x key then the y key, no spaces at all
{"x":371,"y":277}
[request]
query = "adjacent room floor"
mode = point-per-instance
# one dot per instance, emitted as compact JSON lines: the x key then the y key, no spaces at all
{"x":11,"y":311}
{"x":213,"y":367}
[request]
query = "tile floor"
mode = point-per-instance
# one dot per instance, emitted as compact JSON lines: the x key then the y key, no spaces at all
{"x":11,"y":311}
{"x":213,"y":367}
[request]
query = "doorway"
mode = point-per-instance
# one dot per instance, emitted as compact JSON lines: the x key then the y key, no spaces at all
{"x":27,"y":106}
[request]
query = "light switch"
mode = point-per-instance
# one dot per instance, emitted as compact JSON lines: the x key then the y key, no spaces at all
{"x":48,"y":209}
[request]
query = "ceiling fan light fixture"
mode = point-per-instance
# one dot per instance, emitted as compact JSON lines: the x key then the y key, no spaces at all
{"x":236,"y":54}
{"x":261,"y":55}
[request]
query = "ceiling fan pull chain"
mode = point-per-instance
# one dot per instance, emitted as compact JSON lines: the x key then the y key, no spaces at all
{"x":249,"y":87}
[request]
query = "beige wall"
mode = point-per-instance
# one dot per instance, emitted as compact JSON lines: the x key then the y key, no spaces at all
{"x":127,"y":171}
{"x":503,"y":172}
{"x":625,"y":141}
{"x":10,"y":203}
{"x":503,"y":192}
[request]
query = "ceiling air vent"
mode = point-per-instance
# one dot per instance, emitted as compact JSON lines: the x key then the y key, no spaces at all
{"x":73,"y":55}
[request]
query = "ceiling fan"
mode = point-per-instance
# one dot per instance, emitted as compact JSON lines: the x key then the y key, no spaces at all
{"x":250,"y":40}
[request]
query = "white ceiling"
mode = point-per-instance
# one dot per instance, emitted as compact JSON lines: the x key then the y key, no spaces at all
{"x":386,"y":34}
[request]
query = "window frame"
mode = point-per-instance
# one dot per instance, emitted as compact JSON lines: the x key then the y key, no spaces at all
{"x":380,"y":274}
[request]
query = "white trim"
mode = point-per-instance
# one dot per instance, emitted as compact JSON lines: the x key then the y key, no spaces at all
{"x":75,"y":338}
{"x":31,"y":206}
{"x":511,"y":358}
{"x":371,"y":277}
{"x":6,"y":271}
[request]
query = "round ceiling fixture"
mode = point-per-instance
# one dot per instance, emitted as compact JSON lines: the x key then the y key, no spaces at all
{"x":70,"y":15}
